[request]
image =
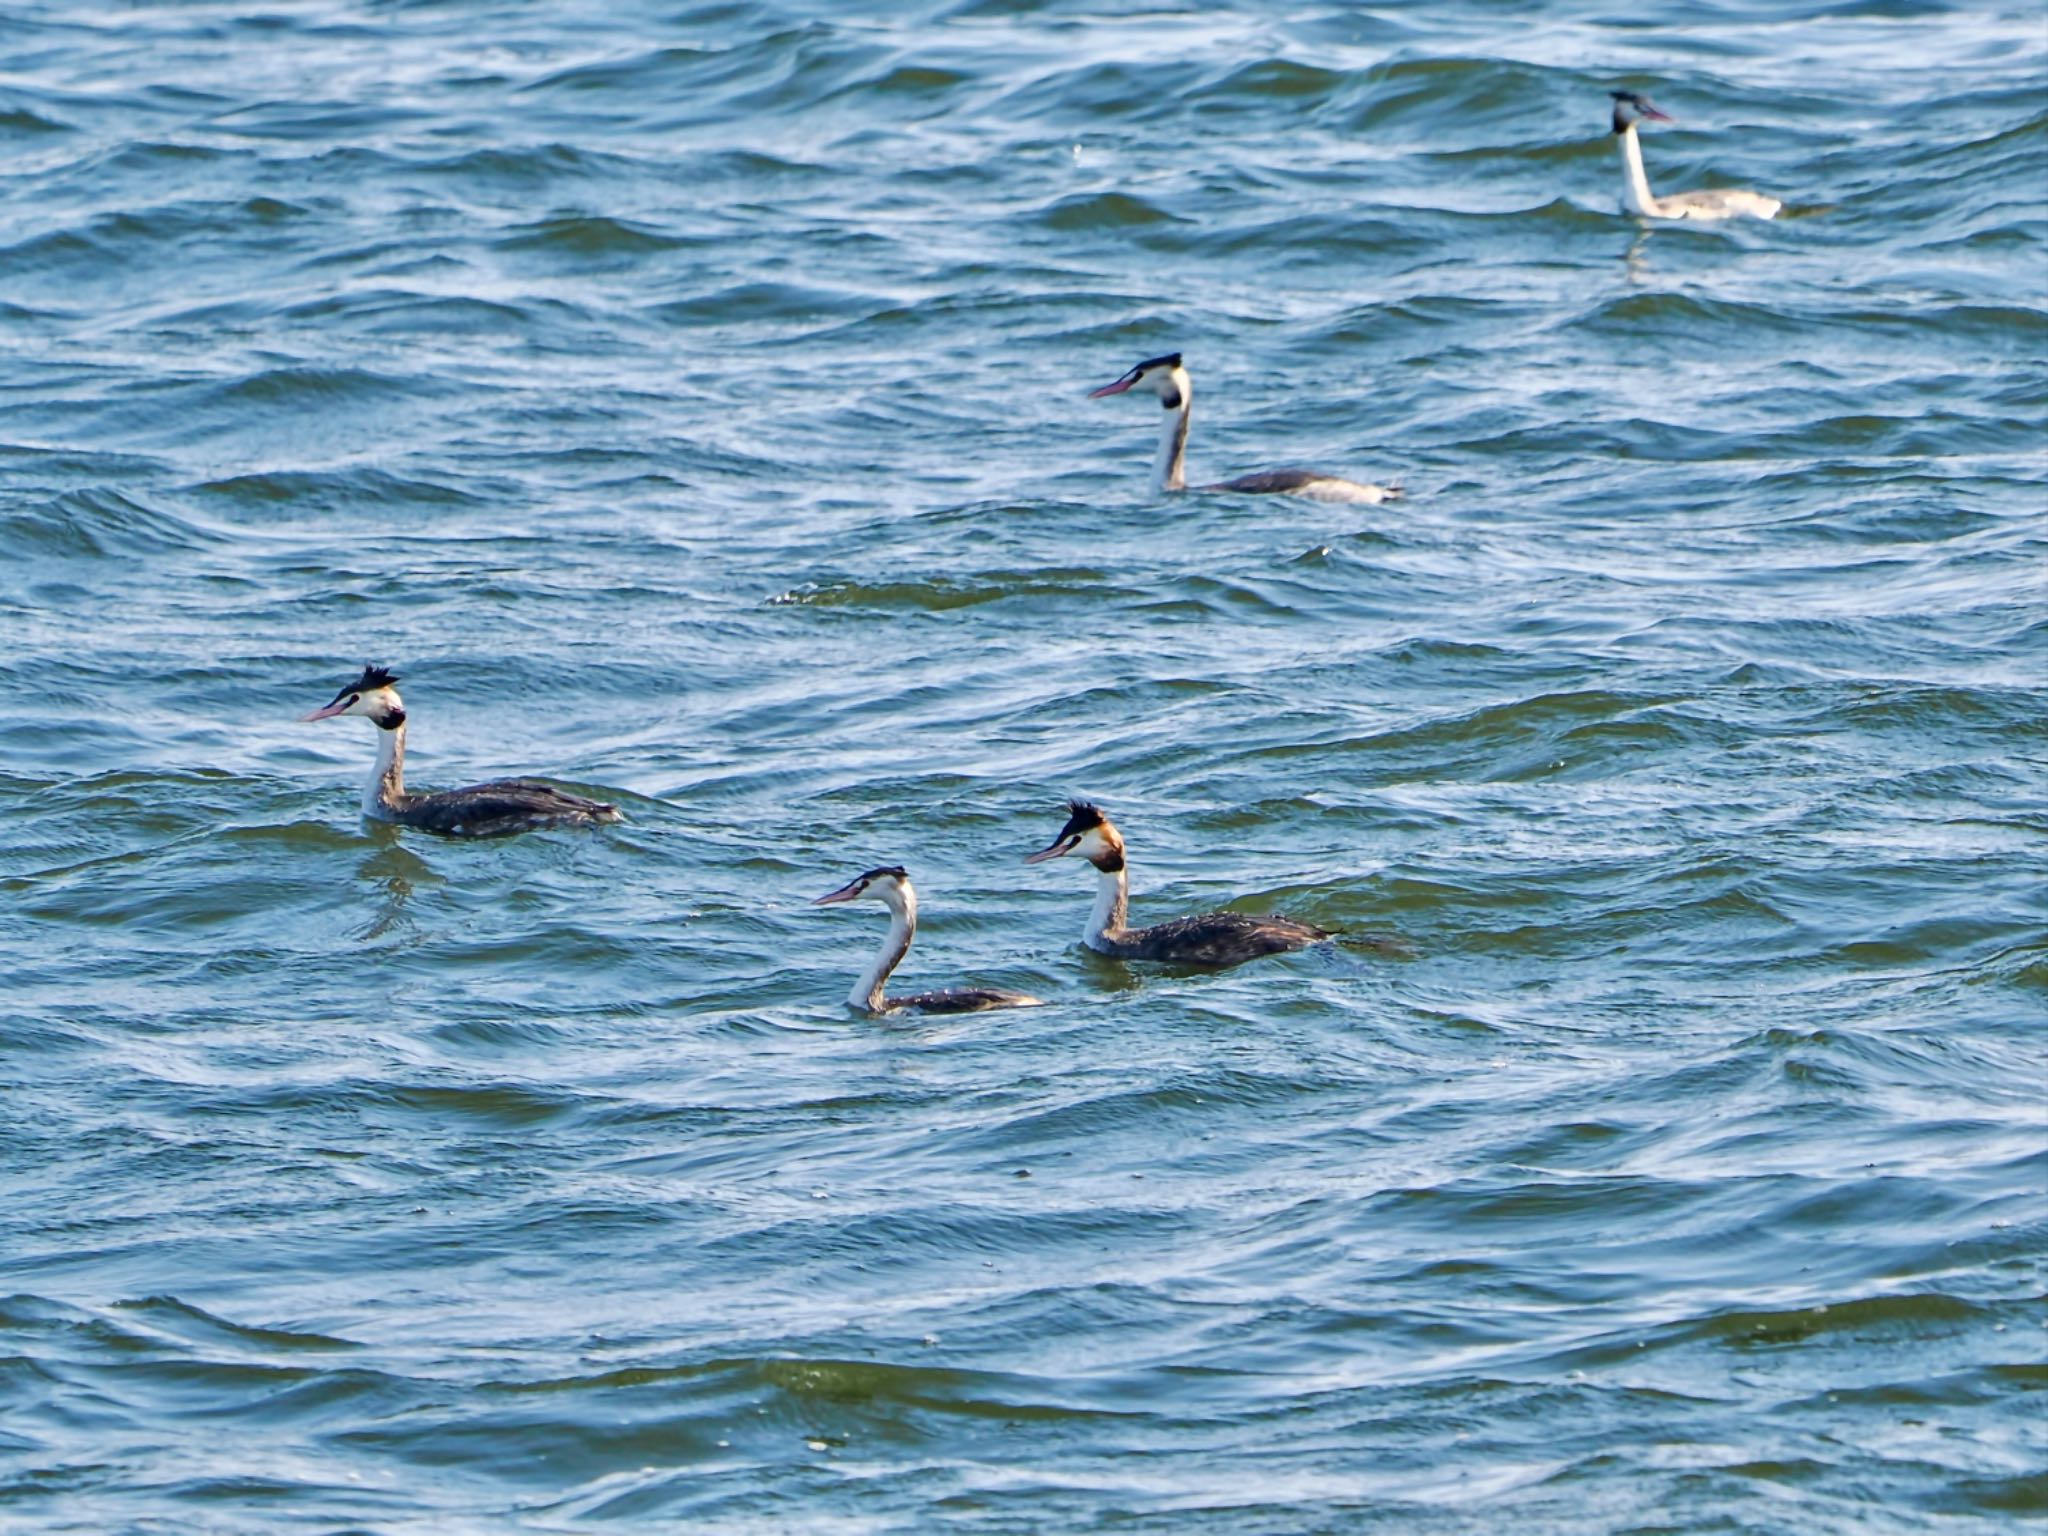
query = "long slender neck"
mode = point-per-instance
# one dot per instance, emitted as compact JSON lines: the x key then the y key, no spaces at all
{"x":1173,"y":445}
{"x":1112,"y":906}
{"x":867,"y":992}
{"x":1639,"y":199}
{"x":385,"y":792}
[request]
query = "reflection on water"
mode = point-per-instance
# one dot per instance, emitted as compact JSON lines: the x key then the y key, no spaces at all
{"x":394,"y":868}
{"x":1106,"y":973}
{"x":1636,"y":257}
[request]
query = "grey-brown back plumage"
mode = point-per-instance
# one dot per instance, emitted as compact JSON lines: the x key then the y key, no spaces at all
{"x":1218,"y":939}
{"x":958,"y":1000}
{"x":502,"y":807}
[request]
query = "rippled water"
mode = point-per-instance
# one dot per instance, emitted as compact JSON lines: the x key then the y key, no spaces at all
{"x":687,"y":400}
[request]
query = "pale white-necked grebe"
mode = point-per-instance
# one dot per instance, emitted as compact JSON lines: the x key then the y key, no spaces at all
{"x":1213,"y":938}
{"x":1717,"y":203}
{"x":890,"y":885}
{"x":496,"y":809}
{"x":1167,"y":378}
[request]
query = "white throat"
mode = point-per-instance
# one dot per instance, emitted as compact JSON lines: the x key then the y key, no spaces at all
{"x":1112,"y":905}
{"x":1638,"y":192}
{"x":1172,"y":465}
{"x":386,"y":786}
{"x":867,"y":992}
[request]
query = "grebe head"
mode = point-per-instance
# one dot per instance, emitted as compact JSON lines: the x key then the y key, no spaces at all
{"x":887,"y":884}
{"x":374,"y":694}
{"x":1164,"y":376}
{"x":1631,"y":108}
{"x":1088,"y":832}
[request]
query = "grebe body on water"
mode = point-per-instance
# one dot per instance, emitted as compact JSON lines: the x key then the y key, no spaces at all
{"x":1167,"y":379}
{"x":890,"y":885}
{"x":496,"y":809}
{"x":1717,"y":203}
{"x":1215,"y":939}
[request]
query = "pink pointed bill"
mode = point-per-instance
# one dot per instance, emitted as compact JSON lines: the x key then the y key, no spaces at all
{"x":845,"y":893}
{"x":1117,"y":388}
{"x":327,"y":712}
{"x":1655,"y":116}
{"x":1052,"y":852}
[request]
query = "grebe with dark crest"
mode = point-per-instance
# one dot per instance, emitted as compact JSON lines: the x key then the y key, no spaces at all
{"x":1167,"y":378}
{"x":890,"y":885}
{"x":496,"y":809}
{"x":1214,"y":938}
{"x":1718,"y":203}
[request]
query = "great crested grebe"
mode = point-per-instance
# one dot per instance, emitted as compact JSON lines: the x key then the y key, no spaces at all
{"x":1168,"y":379}
{"x":1719,"y":203}
{"x":890,"y":885}
{"x":496,"y":809}
{"x":1213,"y":938}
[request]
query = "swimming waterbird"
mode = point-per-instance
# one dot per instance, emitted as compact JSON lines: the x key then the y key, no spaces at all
{"x":1213,"y":938}
{"x":496,"y":809}
{"x":1719,"y":203}
{"x":1167,"y":378}
{"x":890,"y":885}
